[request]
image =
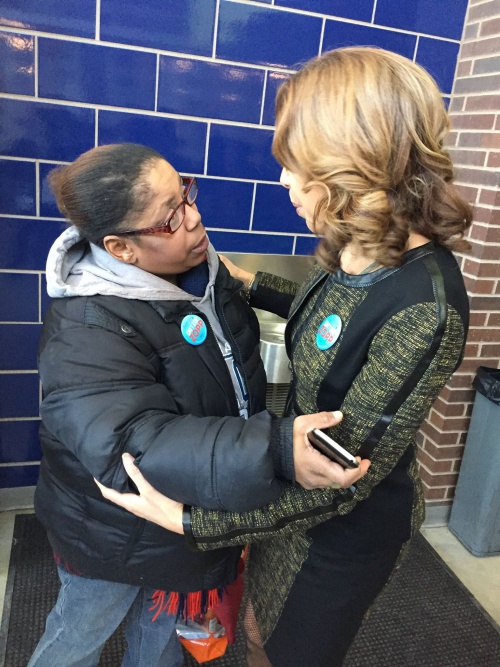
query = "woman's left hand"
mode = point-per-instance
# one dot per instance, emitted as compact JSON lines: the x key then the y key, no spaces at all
{"x":150,"y":504}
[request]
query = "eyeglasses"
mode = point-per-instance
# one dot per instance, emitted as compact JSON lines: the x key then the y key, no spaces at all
{"x":175,"y":218}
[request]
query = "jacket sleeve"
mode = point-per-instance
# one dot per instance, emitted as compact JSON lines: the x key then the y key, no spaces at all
{"x":392,"y":358}
{"x":272,"y":293}
{"x":102,"y":398}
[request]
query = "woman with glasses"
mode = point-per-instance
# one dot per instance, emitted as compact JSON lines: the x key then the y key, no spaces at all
{"x":147,"y":349}
{"x":375,"y":331}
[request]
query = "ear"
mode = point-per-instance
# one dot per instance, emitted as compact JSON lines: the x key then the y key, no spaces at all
{"x":120,"y":248}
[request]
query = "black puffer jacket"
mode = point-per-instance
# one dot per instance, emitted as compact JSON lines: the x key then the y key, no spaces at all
{"x":118,"y":377}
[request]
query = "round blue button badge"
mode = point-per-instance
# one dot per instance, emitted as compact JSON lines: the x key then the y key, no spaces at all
{"x":328,"y":332}
{"x":194,"y":329}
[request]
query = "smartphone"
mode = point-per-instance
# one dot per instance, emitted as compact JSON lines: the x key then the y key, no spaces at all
{"x":324,"y":444}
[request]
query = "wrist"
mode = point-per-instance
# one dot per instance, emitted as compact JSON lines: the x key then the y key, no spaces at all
{"x":187,"y":529}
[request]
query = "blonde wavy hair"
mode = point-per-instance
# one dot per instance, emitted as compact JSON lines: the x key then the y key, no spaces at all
{"x":368,"y":125}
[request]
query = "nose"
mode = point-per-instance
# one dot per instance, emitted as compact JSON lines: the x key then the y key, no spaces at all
{"x":192,"y":217}
{"x":284,"y":180}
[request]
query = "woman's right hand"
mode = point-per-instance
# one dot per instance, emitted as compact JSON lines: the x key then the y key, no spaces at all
{"x":236,"y":272}
{"x":312,"y":469}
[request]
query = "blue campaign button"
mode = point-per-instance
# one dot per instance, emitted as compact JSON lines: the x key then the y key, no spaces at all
{"x":328,"y":332}
{"x":194,"y":329}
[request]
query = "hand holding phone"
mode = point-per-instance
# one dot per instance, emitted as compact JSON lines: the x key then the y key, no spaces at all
{"x":327,"y":446}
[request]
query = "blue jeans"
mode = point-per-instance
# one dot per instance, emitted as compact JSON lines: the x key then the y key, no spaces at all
{"x":86,"y":614}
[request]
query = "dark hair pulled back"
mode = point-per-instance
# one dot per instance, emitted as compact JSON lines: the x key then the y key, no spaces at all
{"x":104,"y":189}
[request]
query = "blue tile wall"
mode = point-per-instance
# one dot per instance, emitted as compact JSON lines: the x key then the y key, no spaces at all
{"x":273,"y":211}
{"x":274,"y":81}
{"x":67,"y":17}
{"x":361,"y":10}
{"x":18,"y":343}
{"x":439,"y":58}
{"x":26,"y":242}
{"x":250,"y":34}
{"x":18,"y":192}
{"x":17,"y":63}
{"x":225,"y":204}
{"x":352,"y":34}
{"x":19,"y":441}
{"x":242,"y":152}
{"x":19,"y":302}
{"x":48,"y":206}
{"x":45,"y":131}
{"x":444,"y":18}
{"x":260,"y":243}
{"x":19,"y":394}
{"x":194,"y":79}
{"x":198,"y":88}
{"x":96,"y":74}
{"x":182,"y":142}
{"x":15,"y":476}
{"x":185,"y":26}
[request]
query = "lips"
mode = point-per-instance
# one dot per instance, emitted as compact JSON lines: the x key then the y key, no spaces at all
{"x":201,"y":246}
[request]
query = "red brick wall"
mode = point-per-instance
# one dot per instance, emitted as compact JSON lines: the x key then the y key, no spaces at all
{"x":474,"y":145}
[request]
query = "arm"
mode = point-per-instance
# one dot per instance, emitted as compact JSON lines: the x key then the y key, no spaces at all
{"x":266,"y":291}
{"x":392,"y":358}
{"x":102,"y":398}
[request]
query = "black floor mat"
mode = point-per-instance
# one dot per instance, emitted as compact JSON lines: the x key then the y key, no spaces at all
{"x":424,"y":618}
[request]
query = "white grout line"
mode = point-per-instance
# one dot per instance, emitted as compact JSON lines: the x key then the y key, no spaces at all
{"x":252,"y":207}
{"x":216,"y":29}
{"x":37,"y":188}
{"x":17,"y":372}
{"x":143,"y":112}
{"x":374,"y":11}
{"x":35,"y":61}
{"x":96,"y":128}
{"x":157,"y":78}
{"x":416,"y":49}
{"x":19,"y":419}
{"x":98,"y":20}
{"x":207,"y":142}
{"x":321,"y":37}
{"x":40,"y":282}
{"x":266,"y":74}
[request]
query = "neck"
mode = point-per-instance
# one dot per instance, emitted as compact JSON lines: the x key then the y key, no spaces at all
{"x":355,"y":260}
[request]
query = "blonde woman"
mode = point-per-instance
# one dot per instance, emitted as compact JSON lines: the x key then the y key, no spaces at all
{"x":375,"y":331}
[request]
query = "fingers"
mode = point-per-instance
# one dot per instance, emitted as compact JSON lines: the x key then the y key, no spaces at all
{"x":319,"y":420}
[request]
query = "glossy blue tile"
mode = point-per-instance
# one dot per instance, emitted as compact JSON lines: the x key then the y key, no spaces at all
{"x":45,"y":131}
{"x":19,"y":302}
{"x":17,"y":70}
{"x":306,"y":245}
{"x":360,"y":9}
{"x":186,"y":26}
{"x":444,"y":18}
{"x":212,"y":90}
{"x":17,"y":187}
{"x":17,"y":476}
{"x":339,"y":34}
{"x":20,"y":395}
{"x":26,"y":243}
{"x":252,"y":34}
{"x":96,"y":74}
{"x":19,"y":343}
{"x":225,"y":204}
{"x":181,"y":142}
{"x":48,"y":206}
{"x":261,"y":243}
{"x":273,"y":211}
{"x":68,"y":17}
{"x":242,"y":152}
{"x":274,"y":81}
{"x":440,"y":59}
{"x":19,"y":442}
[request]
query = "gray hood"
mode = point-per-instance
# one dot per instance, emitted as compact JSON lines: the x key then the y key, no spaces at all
{"x":76,"y":267}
